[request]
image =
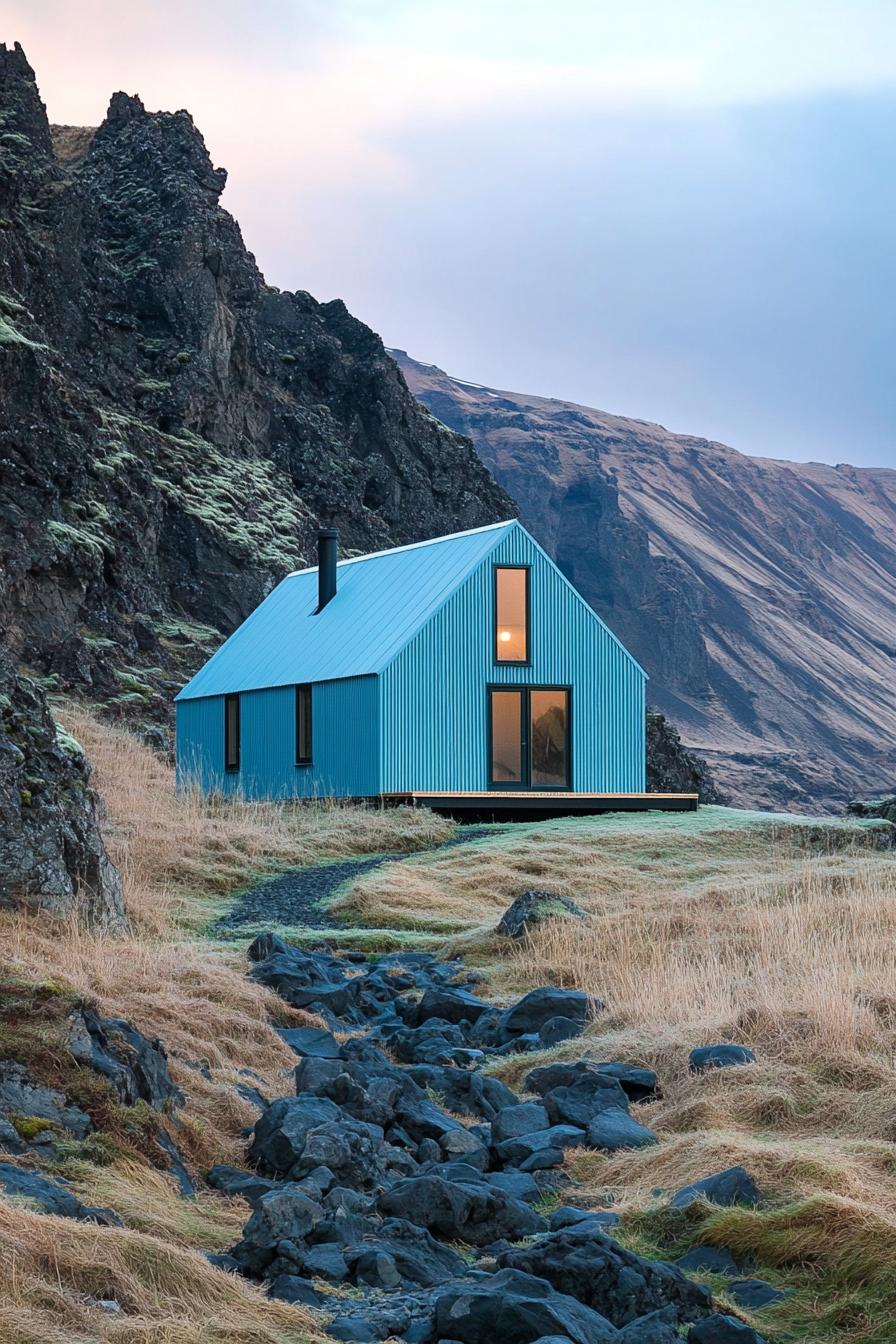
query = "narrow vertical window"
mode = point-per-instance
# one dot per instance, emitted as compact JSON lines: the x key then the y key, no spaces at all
{"x":231,"y":732}
{"x":303,"y":725}
{"x":506,"y":764}
{"x":511,"y":614}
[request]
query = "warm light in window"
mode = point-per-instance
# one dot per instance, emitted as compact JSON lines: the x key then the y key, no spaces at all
{"x":504,"y":636}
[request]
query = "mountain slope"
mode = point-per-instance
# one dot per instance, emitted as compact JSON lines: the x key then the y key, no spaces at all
{"x":760,"y":595}
{"x":173,"y":429}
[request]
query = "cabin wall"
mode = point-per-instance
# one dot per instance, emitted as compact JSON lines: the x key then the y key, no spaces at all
{"x":434,"y":705}
{"x":345,"y":734}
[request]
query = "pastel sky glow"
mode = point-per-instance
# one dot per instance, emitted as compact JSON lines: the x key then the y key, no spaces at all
{"x":681,"y":210}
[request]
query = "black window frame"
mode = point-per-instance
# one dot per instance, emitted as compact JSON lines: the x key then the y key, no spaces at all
{"x":512,"y":662}
{"x":525,"y":690}
{"x":231,"y":757}
{"x":304,"y":689}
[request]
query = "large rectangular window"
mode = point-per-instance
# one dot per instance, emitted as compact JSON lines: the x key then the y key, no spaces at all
{"x":303,"y":725}
{"x":529,"y":737}
{"x":549,"y":738}
{"x":511,"y":614}
{"x":231,"y":732}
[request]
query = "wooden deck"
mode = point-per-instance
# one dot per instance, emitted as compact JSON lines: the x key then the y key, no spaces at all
{"x":536,"y":804}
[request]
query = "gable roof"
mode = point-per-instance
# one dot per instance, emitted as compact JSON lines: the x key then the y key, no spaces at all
{"x":381,"y":601}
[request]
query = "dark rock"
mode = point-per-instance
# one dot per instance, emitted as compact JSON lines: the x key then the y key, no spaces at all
{"x":638,"y":1084}
{"x":451,"y":1005}
{"x":708,"y":1260}
{"x":292,"y":1288}
{"x":176,"y":1165}
{"x":247,"y":1184}
{"x":52,"y":856}
{"x":533,"y":908}
{"x":353,"y":1330}
{"x":265,"y":945}
{"x":523,"y":1118}
{"x":720,"y":1329}
{"x":22,"y":1095}
{"x":281,"y":1133}
{"x":303,"y":980}
{"x":754,"y":1294}
{"x":424,"y":1120}
{"x":352,"y":1151}
{"x":461,"y":1145}
{"x":415,"y":1253}
{"x":464,"y":1091}
{"x":566,"y":1216}
{"x":343,"y":1200}
{"x":313,"y":1041}
{"x":51,"y":1196}
{"x":517,"y":1184}
{"x":733,"y":1186}
{"x":558,"y":1029}
{"x":553,"y":1140}
{"x":658,"y":1327}
{"x":10,"y":1142}
{"x":476,"y":1213}
{"x":613,"y":1130}
{"x":515,"y":1308}
{"x":253,"y":1096}
{"x":283,"y":1215}
{"x":325,"y":1262}
{"x":540,"y":1005}
{"x":136,"y":1066}
{"x":581,"y":1074}
{"x":435,"y":1042}
{"x":586,"y":1099}
{"x":220,"y":1260}
{"x":595,"y":1269}
{"x":720,"y":1057}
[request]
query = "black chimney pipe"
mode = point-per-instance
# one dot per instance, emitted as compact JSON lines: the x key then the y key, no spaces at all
{"x":327,"y":554}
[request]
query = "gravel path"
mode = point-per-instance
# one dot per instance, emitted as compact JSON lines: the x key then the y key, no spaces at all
{"x":297,"y":897}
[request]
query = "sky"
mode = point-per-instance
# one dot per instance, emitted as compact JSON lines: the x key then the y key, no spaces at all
{"x":679,"y":210}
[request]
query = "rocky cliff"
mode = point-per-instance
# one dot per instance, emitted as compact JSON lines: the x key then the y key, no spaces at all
{"x":174,"y":430}
{"x":760,"y":595}
{"x":52,"y":856}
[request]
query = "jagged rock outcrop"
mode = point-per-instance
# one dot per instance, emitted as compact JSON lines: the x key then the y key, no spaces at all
{"x":52,"y":855}
{"x":759,"y":595}
{"x":884,"y":807}
{"x":673,"y":769}
{"x":173,"y":428}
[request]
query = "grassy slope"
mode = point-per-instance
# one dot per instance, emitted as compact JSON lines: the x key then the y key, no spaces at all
{"x":179,"y":859}
{"x":719,"y":925}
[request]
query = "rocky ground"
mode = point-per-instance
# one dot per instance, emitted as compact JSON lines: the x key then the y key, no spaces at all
{"x":416,"y":1196}
{"x":399,"y":1190}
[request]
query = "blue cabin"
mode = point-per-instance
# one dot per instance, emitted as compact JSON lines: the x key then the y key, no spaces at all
{"x":463,"y":665}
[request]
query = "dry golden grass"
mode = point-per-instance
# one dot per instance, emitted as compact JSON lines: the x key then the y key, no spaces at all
{"x":174,"y":853}
{"x":55,"y":1271}
{"x":703,"y":928}
{"x":604,"y":863}
{"x":776,"y":936}
{"x":171,"y":847}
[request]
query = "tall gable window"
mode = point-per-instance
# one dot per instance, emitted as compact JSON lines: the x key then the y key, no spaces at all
{"x":303,"y":725}
{"x":231,"y":732}
{"x":511,"y":614}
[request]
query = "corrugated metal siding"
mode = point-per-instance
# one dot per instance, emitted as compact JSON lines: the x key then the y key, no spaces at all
{"x":345,"y":743}
{"x":380,"y":602}
{"x":434,"y":703}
